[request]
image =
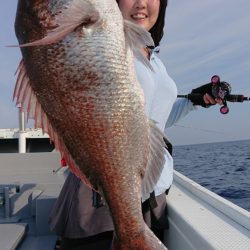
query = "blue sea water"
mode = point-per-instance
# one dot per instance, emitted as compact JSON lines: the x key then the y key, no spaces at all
{"x":222,"y":167}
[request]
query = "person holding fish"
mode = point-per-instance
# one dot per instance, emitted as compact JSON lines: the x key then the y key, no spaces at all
{"x":80,"y":216}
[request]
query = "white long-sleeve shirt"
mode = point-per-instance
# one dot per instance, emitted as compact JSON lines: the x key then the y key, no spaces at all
{"x":160,"y":94}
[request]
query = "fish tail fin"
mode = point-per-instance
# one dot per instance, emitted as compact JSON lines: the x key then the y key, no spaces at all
{"x":145,"y":240}
{"x":156,"y":161}
{"x":138,"y":38}
{"x":73,"y":15}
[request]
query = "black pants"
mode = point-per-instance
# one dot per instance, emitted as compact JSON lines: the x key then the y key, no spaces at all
{"x":101,"y":241}
{"x":156,"y":218}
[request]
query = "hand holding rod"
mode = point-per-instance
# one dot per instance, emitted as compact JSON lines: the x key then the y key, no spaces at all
{"x":217,"y":89}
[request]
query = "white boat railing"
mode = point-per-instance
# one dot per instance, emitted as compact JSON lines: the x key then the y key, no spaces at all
{"x":201,"y":219}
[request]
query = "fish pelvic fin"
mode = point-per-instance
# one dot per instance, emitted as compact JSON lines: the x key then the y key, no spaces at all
{"x":26,"y":98}
{"x":145,"y":240}
{"x":138,"y":38}
{"x":156,"y":161}
{"x":75,"y":14}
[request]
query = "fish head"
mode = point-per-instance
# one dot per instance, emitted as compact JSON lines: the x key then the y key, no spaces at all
{"x":71,"y":32}
{"x":35,"y":19}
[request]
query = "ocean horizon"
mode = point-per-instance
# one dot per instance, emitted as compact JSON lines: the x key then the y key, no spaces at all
{"x":221,"y":167}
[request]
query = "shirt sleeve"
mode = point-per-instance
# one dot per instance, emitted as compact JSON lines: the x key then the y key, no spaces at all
{"x":180,"y":109}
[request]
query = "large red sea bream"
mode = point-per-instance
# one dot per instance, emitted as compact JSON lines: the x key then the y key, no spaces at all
{"x":78,"y":82}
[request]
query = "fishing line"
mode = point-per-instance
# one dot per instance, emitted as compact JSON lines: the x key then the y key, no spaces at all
{"x":201,"y":129}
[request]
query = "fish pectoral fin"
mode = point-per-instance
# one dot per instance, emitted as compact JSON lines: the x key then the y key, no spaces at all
{"x":26,"y":98}
{"x":23,"y":93}
{"x":138,"y":38}
{"x":73,"y":15}
{"x":156,"y":161}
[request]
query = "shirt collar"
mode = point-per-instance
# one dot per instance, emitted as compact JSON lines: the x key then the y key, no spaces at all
{"x":154,"y":51}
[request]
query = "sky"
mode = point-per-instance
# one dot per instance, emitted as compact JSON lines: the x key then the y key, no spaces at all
{"x":202,"y":38}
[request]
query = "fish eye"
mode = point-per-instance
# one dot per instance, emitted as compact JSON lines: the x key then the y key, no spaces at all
{"x":87,"y":24}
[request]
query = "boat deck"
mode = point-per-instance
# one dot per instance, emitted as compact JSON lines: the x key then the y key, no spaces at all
{"x":30,"y":184}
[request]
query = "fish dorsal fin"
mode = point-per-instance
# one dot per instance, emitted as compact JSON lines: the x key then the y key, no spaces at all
{"x":156,"y":161}
{"x":73,"y":15}
{"x":26,"y":98}
{"x":138,"y":38}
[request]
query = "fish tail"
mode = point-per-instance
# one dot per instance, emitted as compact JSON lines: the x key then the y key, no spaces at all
{"x":145,"y":240}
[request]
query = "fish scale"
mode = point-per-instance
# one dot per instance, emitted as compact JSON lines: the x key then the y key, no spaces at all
{"x":80,"y":86}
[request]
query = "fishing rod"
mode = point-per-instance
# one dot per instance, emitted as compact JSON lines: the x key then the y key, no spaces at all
{"x":217,"y":89}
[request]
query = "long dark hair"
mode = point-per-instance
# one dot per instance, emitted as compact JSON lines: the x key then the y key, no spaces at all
{"x":157,"y":30}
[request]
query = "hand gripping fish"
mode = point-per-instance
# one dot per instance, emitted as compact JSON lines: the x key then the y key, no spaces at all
{"x":78,"y":82}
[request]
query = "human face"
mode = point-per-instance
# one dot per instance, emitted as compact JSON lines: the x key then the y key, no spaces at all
{"x":142,"y":12}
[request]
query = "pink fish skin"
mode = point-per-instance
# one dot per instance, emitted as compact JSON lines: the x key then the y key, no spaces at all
{"x":78,"y":82}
